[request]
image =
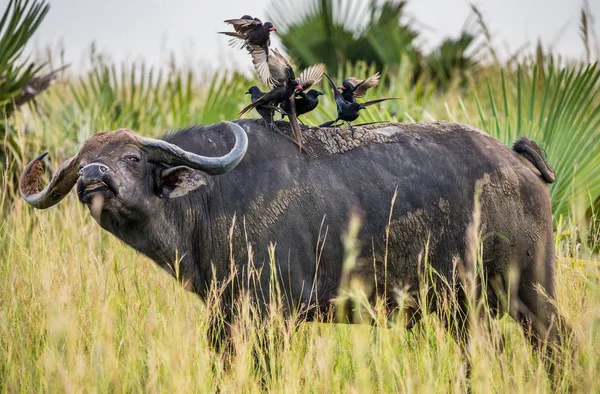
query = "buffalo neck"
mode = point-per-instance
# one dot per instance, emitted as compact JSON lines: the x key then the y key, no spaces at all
{"x":164,"y":235}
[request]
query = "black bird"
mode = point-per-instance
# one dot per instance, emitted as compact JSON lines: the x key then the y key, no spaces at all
{"x":284,"y":85}
{"x":265,"y":111}
{"x":348,"y":111}
{"x":274,"y":97}
{"x":305,"y":102}
{"x":277,"y":71}
{"x":250,"y":33}
{"x":353,"y":88}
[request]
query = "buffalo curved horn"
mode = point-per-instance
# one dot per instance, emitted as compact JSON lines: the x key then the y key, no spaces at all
{"x":61,"y":183}
{"x":160,"y":151}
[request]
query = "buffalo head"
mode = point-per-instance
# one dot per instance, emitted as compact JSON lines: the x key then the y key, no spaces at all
{"x":121,"y":170}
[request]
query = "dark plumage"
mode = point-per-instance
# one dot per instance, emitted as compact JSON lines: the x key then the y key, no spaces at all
{"x":305,"y":102}
{"x":274,"y":96}
{"x":353,"y":88}
{"x":348,"y":111}
{"x":266,"y":112}
{"x":277,"y":71}
{"x":250,"y":33}
{"x":292,"y":208}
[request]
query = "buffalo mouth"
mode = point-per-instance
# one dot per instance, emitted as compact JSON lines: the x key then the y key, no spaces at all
{"x":87,"y":191}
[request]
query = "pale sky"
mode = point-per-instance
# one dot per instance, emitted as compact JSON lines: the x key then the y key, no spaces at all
{"x":151,"y":30}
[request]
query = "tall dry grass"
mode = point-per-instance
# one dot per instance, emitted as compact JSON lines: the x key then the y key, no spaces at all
{"x":80,"y":311}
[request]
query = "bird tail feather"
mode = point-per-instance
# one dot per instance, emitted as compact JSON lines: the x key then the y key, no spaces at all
{"x":328,"y":124}
{"x":376,"y":101}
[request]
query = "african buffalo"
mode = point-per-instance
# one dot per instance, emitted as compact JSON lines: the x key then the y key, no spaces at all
{"x":177,"y":198}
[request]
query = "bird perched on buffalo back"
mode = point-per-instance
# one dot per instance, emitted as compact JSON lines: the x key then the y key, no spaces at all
{"x":353,"y":88}
{"x":277,"y":71}
{"x":250,"y":33}
{"x":265,"y":111}
{"x":305,"y":102}
{"x":348,"y":111}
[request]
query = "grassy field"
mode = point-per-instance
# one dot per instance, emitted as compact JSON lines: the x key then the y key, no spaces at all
{"x":79,"y":311}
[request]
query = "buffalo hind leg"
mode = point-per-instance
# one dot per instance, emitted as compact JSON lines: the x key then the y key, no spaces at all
{"x":545,"y":328}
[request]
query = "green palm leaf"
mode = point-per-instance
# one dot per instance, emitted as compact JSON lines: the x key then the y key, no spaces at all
{"x":560,"y":109}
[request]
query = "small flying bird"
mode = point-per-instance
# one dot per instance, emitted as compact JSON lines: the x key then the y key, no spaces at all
{"x":277,"y":71}
{"x":305,"y":102}
{"x":250,"y":33}
{"x":348,"y":111}
{"x":353,"y":88}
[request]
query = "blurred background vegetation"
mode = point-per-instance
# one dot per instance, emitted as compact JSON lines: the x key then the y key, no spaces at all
{"x":552,"y":100}
{"x":80,"y":311}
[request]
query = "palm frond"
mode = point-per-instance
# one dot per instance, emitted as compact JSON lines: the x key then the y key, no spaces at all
{"x":19,"y":21}
{"x":560,"y":109}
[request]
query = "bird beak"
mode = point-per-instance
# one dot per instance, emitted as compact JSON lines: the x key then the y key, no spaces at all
{"x":247,"y":91}
{"x":341,"y":87}
{"x":362,"y":107}
{"x":320,"y":93}
{"x":273,"y":28}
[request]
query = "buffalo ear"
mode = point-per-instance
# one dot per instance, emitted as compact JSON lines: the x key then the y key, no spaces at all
{"x":178,"y":181}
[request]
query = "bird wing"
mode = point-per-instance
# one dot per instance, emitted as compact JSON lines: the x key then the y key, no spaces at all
{"x":243,"y":25}
{"x":255,"y":103}
{"x":266,"y":98}
{"x":247,"y":108}
{"x":232,"y":34}
{"x":311,"y":75}
{"x":361,"y":86}
{"x":237,"y":41}
{"x":280,"y":67}
{"x":261,"y":65}
{"x":337,"y":94}
{"x":251,"y":106}
{"x":376,"y":101}
{"x":272,"y":70}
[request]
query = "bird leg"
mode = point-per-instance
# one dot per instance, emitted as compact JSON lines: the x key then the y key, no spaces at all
{"x":267,"y":124}
{"x":273,"y":127}
{"x":275,"y":108}
{"x":351,"y":129}
{"x":282,"y":112}
{"x":335,"y":128}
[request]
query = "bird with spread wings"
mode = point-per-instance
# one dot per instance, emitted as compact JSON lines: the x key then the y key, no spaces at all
{"x":349,"y":111}
{"x":250,"y":33}
{"x":353,"y":88}
{"x":276,"y":71}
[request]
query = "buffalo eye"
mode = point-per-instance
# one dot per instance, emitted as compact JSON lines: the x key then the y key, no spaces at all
{"x":132,"y":159}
